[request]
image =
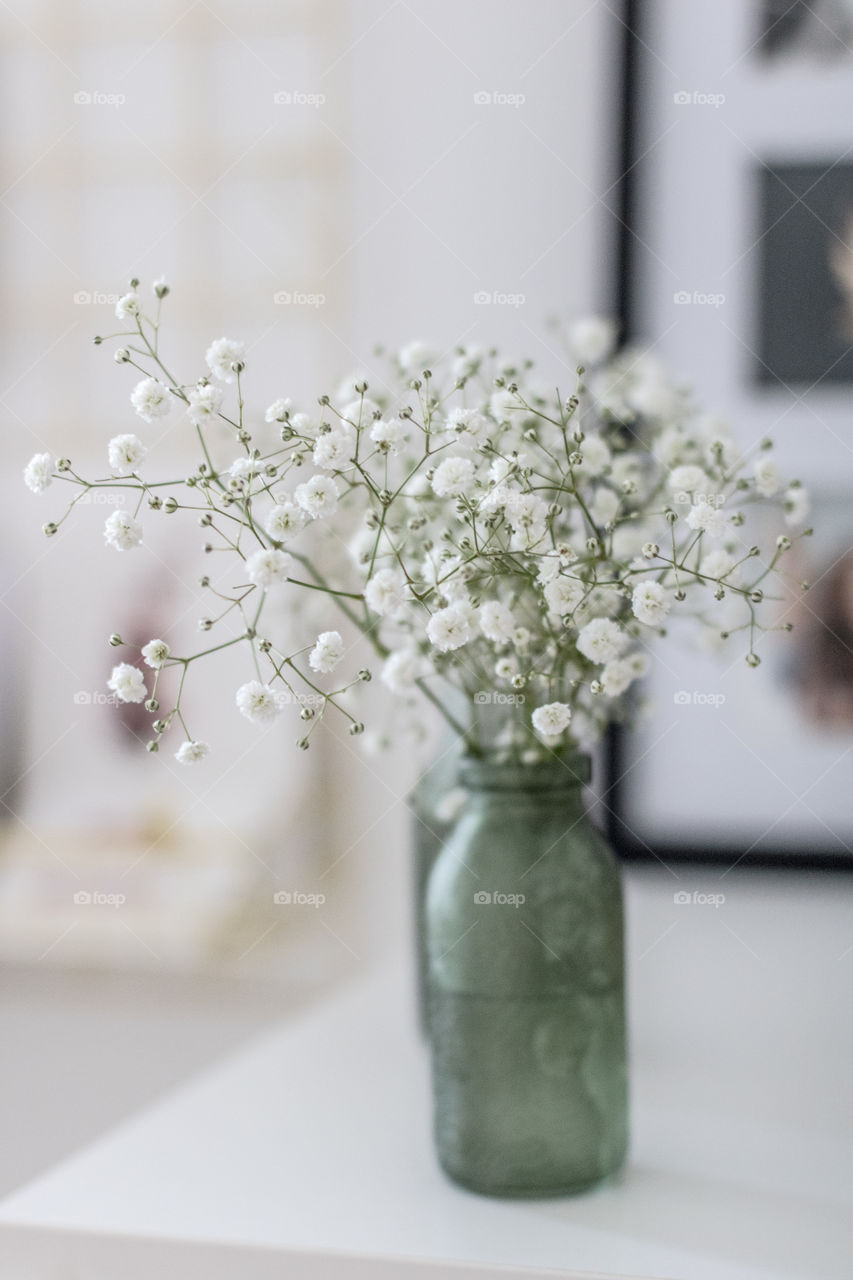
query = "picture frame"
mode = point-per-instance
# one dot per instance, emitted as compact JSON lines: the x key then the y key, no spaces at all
{"x":729,"y":765}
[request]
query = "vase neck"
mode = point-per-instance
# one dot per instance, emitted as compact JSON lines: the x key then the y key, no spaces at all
{"x":558,"y":776}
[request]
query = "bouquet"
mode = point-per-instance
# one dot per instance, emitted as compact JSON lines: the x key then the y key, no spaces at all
{"x":496,"y":539}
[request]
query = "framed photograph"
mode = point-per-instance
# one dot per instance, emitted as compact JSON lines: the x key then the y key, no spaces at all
{"x":737,"y":270}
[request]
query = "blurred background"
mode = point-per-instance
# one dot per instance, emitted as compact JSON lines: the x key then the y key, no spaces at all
{"x":315,"y":179}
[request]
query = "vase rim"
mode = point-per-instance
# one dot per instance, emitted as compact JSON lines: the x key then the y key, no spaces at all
{"x":561,"y":774}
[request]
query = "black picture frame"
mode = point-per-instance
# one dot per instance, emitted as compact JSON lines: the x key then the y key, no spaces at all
{"x":631,"y":847}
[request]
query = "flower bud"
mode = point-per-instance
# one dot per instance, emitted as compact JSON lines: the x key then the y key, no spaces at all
{"x":49,"y":529}
{"x":205,"y":624}
{"x":356,"y":728}
{"x":64,"y":464}
{"x":753,"y":660}
{"x":364,"y":675}
{"x":121,"y":355}
{"x":303,"y":744}
{"x":153,"y":746}
{"x":115,"y":640}
{"x":170,"y":506}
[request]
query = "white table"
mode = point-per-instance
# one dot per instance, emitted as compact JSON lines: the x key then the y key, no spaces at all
{"x":308,"y":1155}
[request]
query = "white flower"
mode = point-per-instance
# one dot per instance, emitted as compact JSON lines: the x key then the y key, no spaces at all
{"x":155,"y":653}
{"x":506,"y":668}
{"x":205,"y":401}
{"x":151,"y":399}
{"x":616,"y":676}
{"x":268,"y":568}
{"x":592,"y":339}
{"x":220,"y":356}
{"x":127,"y":307}
{"x":503,"y":404}
{"x":327,"y":652}
{"x":688,"y":479}
{"x":467,"y":424}
{"x":650,"y":603}
{"x":128,"y":683}
{"x":284,"y":521}
{"x":403,"y":669}
{"x":563,"y":595}
{"x":125,"y":454}
{"x":671,"y":446}
{"x":385,"y":592}
{"x":332,"y":451}
{"x":596,"y":456}
{"x":496,"y":621}
{"x":767,"y":478}
{"x":388,"y":435}
{"x":122,"y":531}
{"x":358,"y":413}
{"x":257,"y":702}
{"x":38,"y":472}
{"x":453,"y":477}
{"x":704,"y":517}
{"x":317,"y":496}
{"x":526,"y":513}
{"x":797,"y":505}
{"x":604,"y":506}
{"x":719,"y":564}
{"x":417,"y":356}
{"x":278,"y":410}
{"x":240,"y":474}
{"x":450,"y":628}
{"x":191,"y":752}
{"x":552,"y":719}
{"x":601,"y":640}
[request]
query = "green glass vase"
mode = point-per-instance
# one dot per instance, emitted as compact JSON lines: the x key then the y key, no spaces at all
{"x":526,"y":986}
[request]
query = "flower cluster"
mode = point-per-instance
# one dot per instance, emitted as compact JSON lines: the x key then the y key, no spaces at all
{"x":516,"y":544}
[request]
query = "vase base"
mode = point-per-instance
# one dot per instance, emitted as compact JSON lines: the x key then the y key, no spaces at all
{"x":523,"y":1192}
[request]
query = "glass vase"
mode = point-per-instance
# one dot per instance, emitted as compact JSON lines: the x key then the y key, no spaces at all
{"x":526,"y":985}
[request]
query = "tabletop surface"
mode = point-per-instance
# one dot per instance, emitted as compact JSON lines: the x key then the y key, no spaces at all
{"x":313,"y":1143}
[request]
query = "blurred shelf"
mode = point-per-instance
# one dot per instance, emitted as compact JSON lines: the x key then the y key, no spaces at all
{"x":309,"y":1153}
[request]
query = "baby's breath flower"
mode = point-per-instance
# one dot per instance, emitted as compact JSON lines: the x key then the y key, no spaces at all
{"x":767,"y":478}
{"x":332,"y":451}
{"x":268,"y":567}
{"x":385,"y":592}
{"x":38,"y":472}
{"x":257,"y":702}
{"x":151,"y":399}
{"x":205,"y":401}
{"x":450,"y":628}
{"x":601,"y":640}
{"x":127,"y":307}
{"x":592,"y":339}
{"x":155,"y":653}
{"x":706,"y":518}
{"x":122,"y":531}
{"x":278,"y":410}
{"x":128,"y":683}
{"x":551,"y":720}
{"x":222,"y":354}
{"x":402,"y":669}
{"x":453,"y":478}
{"x":317,"y":496}
{"x":650,"y":603}
{"x":496,"y":621}
{"x":797,"y":505}
{"x":285,"y":520}
{"x":327,"y":652}
{"x":125,"y":454}
{"x":192,"y":752}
